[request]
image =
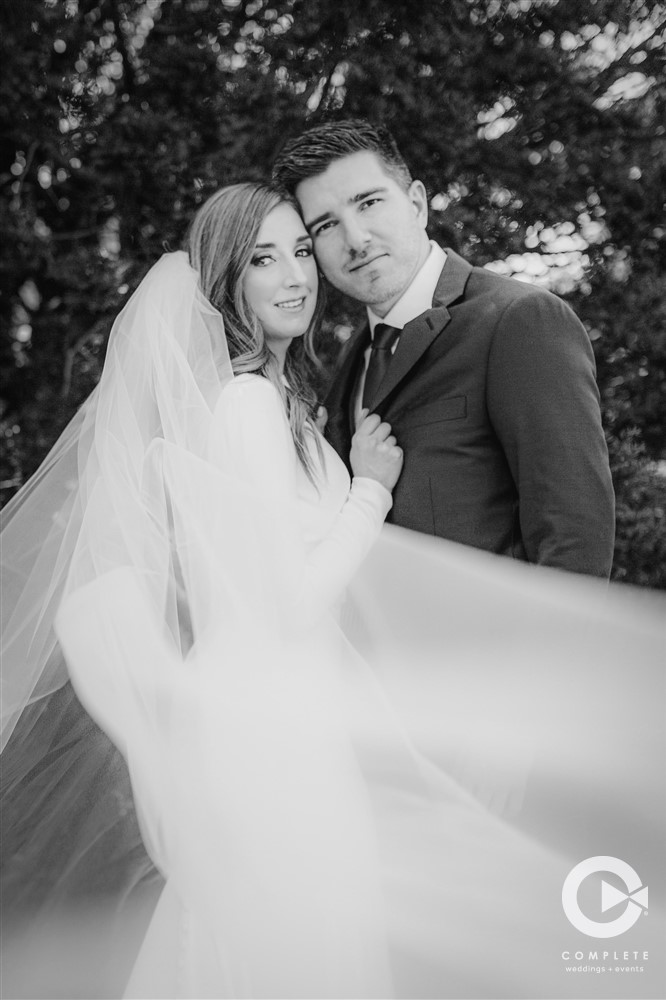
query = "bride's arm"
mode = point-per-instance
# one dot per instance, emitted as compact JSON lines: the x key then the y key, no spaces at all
{"x":251,"y":441}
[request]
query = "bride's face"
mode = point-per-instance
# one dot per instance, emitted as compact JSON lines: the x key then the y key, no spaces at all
{"x":281,"y":281}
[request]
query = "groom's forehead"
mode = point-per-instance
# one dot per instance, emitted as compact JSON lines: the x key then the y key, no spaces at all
{"x":350,"y":169}
{"x":344,"y":181}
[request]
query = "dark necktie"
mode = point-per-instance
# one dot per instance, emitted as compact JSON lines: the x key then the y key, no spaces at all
{"x":384,"y":338}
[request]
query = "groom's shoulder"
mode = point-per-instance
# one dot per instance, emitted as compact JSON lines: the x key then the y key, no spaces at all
{"x":463,"y":280}
{"x":458,"y":269}
{"x":492,"y":280}
{"x":495,"y":275}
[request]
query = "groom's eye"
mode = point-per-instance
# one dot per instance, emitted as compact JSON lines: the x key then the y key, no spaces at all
{"x":323,"y":227}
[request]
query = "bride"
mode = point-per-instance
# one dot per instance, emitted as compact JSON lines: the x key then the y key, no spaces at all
{"x":346,"y":796}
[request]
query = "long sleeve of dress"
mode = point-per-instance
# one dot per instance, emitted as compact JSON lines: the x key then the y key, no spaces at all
{"x":318,"y":533}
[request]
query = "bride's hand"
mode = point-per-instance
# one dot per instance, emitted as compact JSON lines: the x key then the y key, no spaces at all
{"x":374,"y":451}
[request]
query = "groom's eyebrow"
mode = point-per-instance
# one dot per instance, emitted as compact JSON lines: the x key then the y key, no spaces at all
{"x":366,"y":194}
{"x":354,"y":200}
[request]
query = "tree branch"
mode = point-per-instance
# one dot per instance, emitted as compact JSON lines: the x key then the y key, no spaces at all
{"x":128,"y":69}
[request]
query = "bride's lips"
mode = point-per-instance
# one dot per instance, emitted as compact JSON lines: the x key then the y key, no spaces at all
{"x":292,"y":305}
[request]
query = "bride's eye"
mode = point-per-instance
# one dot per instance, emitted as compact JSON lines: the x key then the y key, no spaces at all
{"x":261,"y":260}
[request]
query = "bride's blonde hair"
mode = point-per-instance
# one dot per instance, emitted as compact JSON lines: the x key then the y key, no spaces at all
{"x":220,"y":243}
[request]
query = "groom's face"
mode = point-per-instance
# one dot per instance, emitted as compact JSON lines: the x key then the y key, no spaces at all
{"x":368,"y":232}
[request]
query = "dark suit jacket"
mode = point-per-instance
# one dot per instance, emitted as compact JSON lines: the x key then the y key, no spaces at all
{"x":492,"y":395}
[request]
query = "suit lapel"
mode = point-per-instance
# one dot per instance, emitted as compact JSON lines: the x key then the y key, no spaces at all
{"x":419,"y":334}
{"x":415,"y":339}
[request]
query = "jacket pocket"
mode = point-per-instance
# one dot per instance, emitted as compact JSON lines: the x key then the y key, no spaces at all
{"x":452,"y":408}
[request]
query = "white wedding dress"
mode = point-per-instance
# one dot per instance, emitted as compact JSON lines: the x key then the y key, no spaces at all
{"x":309,"y":849}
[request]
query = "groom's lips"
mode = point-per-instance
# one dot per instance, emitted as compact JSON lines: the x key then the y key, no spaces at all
{"x":364,"y":263}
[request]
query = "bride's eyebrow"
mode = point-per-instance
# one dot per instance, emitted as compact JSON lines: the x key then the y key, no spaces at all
{"x":272,"y":246}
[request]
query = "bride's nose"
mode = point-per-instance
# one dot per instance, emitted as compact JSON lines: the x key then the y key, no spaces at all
{"x":295,"y":274}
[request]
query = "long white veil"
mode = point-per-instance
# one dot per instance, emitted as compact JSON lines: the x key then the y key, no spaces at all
{"x":90,"y":507}
{"x":97,"y":503}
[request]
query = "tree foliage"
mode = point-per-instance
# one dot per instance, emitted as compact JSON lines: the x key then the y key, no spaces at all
{"x":536,"y":125}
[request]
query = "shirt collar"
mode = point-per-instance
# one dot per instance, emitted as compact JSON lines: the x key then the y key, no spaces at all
{"x":418,"y":297}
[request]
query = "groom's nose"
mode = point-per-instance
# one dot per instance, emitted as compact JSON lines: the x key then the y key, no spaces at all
{"x":357,"y":238}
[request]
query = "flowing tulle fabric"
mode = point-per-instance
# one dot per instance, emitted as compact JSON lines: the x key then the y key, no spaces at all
{"x":370,"y":795}
{"x":388,"y":808}
{"x":312,"y":851}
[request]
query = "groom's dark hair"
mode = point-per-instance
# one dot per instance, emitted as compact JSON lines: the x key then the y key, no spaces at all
{"x":313,"y":152}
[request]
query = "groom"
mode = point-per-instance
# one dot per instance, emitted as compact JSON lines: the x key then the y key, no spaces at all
{"x":488,"y":383}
